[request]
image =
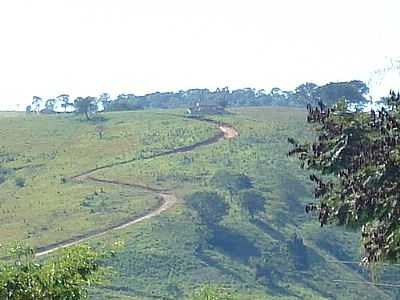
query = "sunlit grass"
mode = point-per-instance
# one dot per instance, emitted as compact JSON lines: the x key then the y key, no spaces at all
{"x":169,"y":256}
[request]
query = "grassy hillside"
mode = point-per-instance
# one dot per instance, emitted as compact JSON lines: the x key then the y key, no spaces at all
{"x":169,"y":255}
{"x":42,"y":150}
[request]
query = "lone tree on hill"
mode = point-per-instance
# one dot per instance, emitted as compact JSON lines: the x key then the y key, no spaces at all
{"x":85,"y":105}
{"x":233,"y":183}
{"x":36,"y":102}
{"x":210,"y":207}
{"x":105,"y":100}
{"x":49,"y":106}
{"x":360,"y":151}
{"x":298,"y":252}
{"x":252,"y":201}
{"x":64,"y":99}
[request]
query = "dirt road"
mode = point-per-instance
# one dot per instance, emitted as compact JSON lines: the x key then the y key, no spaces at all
{"x":167,"y":198}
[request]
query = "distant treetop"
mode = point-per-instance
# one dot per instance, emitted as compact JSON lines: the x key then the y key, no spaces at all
{"x":308,"y":93}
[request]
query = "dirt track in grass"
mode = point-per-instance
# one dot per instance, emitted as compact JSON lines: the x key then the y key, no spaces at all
{"x":167,"y":198}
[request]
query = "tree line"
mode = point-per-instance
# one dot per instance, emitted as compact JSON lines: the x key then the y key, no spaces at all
{"x":353,"y":91}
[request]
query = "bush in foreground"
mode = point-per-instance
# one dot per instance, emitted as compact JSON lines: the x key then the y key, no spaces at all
{"x":66,"y":276}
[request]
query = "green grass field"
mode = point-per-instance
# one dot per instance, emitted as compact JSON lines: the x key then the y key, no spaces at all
{"x":48,"y":148}
{"x":167,"y":256}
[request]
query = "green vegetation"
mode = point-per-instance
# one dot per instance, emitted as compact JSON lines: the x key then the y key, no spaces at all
{"x":66,"y":276}
{"x":211,"y":293}
{"x":43,"y":151}
{"x":252,"y":202}
{"x":233,"y":183}
{"x":360,"y":151}
{"x":256,"y":259}
{"x":354,"y":91}
{"x":20,"y":182}
{"x":84,"y":106}
{"x":278,"y":252}
{"x":209,"y":206}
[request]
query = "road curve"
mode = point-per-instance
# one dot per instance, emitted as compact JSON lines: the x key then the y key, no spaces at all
{"x":167,"y":198}
{"x":167,"y":202}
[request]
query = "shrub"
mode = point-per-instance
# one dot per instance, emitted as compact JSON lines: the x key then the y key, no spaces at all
{"x":66,"y":276}
{"x":209,"y":206}
{"x":20,"y":182}
{"x":208,"y":292}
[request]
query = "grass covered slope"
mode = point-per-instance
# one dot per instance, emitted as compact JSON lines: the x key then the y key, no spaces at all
{"x":40,"y":151}
{"x":280,"y":254}
{"x":258,"y":259}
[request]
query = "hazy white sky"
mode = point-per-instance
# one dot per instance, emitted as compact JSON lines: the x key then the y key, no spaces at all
{"x":85,"y":47}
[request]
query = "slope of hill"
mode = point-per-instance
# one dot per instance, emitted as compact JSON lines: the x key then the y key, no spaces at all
{"x":43,"y":151}
{"x":281,"y":254}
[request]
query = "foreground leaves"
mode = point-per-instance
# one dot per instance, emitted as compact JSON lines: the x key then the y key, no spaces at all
{"x":357,"y":157}
{"x":64,"y":277}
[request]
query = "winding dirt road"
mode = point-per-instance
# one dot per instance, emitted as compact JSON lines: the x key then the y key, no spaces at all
{"x":167,"y":198}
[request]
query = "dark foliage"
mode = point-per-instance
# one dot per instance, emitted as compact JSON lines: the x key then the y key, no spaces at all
{"x":4,"y":173}
{"x":233,"y":183}
{"x":252,"y":201}
{"x":360,"y":152}
{"x":298,"y":252}
{"x":123,"y":102}
{"x":85,"y":105}
{"x":233,"y":243}
{"x":20,"y":182}
{"x":353,"y":91}
{"x":210,"y":206}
